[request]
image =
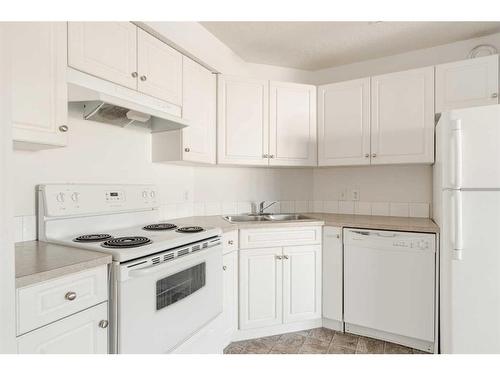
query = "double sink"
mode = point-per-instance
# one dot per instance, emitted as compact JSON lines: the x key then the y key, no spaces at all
{"x":265,"y":217}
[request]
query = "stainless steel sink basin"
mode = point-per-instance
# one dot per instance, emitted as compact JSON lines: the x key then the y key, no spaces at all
{"x":265,"y":217}
{"x":246,"y":218}
{"x":287,"y":217}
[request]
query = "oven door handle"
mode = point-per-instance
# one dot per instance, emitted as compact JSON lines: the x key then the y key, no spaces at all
{"x":148,"y":270}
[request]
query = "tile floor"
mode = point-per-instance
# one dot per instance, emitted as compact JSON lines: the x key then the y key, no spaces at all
{"x":317,"y":341}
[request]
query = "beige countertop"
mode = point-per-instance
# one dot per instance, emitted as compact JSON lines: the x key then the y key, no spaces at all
{"x":409,"y":224}
{"x":38,"y":261}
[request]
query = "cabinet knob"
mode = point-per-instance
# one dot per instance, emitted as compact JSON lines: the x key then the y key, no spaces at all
{"x":70,"y":296}
{"x":103,"y":323}
{"x":367,"y":155}
{"x":265,"y":156}
{"x":494,"y":95}
{"x":285,"y":256}
{"x":271,"y":156}
{"x":63,"y":128}
{"x":224,"y":268}
{"x":278,"y":257}
{"x":338,"y":236}
{"x":187,"y":149}
{"x":374,"y":155}
{"x":230,"y":242}
{"x":134,"y":74}
{"x":143,"y":78}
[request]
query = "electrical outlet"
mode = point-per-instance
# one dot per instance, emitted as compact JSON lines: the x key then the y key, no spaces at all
{"x":355,"y":195}
{"x":186,"y":195}
{"x":343,"y":195}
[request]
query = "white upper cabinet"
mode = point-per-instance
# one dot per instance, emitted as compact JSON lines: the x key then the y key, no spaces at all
{"x":402,"y":117}
{"x":344,"y":123}
{"x":39,"y":92}
{"x":159,"y":69}
{"x":292,"y":125}
{"x":243,"y":121}
{"x":199,"y":108}
{"x":467,"y":83}
{"x":104,"y":49}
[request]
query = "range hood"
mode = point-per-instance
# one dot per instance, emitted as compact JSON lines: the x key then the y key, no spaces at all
{"x":106,"y":102}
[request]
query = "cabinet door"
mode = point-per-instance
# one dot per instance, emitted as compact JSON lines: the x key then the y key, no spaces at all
{"x":230,"y":295}
{"x":104,"y":49}
{"x":301,"y":283}
{"x":39,"y":92}
{"x":332,"y":273}
{"x":292,"y":126}
{"x":198,"y":107}
{"x":80,"y":333}
{"x":344,"y":123}
{"x":260,"y":287}
{"x":243,"y":121}
{"x":159,"y":68}
{"x":402,"y":117}
{"x":467,"y":83}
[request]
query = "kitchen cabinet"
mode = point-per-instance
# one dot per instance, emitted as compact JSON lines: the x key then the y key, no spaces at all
{"x":39,"y":92}
{"x":332,"y":277}
{"x":243,"y":121}
{"x":159,"y":68}
{"x":301,"y":283}
{"x":106,"y":50}
{"x":261,"y":287}
{"x":292,"y":125}
{"x":195,"y":143}
{"x":402,"y":117}
{"x":467,"y":83}
{"x":230,"y":295}
{"x":266,"y":123}
{"x":82,"y":333}
{"x":344,"y":123}
{"x":122,"y":53}
{"x":279,"y":284}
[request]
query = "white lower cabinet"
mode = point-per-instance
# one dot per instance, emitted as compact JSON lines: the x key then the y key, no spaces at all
{"x":230,"y":294}
{"x":261,"y":287}
{"x":301,"y":283}
{"x":83,"y":333}
{"x":332,"y":277}
{"x":279,"y":285}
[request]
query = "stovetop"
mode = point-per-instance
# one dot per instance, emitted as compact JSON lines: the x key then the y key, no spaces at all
{"x":135,"y":242}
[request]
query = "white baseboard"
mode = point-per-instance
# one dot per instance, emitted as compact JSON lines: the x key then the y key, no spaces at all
{"x":333,"y":324}
{"x":276,"y":330}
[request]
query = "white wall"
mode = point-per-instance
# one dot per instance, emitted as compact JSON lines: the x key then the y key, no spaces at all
{"x":409,"y":60}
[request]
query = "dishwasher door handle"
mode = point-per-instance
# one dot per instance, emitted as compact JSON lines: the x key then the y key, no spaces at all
{"x":379,"y":234}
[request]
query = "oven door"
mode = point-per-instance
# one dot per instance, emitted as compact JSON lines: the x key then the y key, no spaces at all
{"x":160,"y":306}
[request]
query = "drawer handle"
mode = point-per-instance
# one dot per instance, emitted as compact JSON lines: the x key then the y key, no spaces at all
{"x":230,"y":242}
{"x":224,"y":268}
{"x":103,"y":324}
{"x":70,"y":296}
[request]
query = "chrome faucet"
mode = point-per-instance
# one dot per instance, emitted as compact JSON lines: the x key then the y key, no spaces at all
{"x":262,"y":208}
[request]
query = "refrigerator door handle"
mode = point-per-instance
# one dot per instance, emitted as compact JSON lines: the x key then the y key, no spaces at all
{"x":457,"y":239}
{"x":456,"y":154}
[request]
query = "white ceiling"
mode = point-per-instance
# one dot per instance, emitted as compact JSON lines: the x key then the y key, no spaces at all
{"x":319,"y":45}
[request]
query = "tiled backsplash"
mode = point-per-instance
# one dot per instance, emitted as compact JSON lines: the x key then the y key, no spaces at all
{"x":25,"y":226}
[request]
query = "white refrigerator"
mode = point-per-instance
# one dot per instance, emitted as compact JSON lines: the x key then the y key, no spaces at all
{"x":467,"y":209}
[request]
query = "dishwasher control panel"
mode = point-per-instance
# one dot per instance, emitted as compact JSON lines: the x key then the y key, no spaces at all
{"x":380,"y":239}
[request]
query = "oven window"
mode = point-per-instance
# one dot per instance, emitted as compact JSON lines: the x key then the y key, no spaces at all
{"x":180,"y":285}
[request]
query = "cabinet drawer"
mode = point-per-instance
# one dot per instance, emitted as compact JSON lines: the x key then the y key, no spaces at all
{"x":46,"y":302}
{"x":271,"y":237}
{"x":230,"y":241}
{"x":82,"y":333}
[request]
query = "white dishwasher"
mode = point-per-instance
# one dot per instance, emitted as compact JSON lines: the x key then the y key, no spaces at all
{"x":390,"y":286}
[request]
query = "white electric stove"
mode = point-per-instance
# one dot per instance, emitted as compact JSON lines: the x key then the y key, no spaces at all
{"x":166,"y":280}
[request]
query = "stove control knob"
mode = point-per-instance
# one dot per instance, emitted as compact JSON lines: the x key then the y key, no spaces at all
{"x":60,"y":197}
{"x":74,"y":197}
{"x":144,"y":194}
{"x":152,"y":194}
